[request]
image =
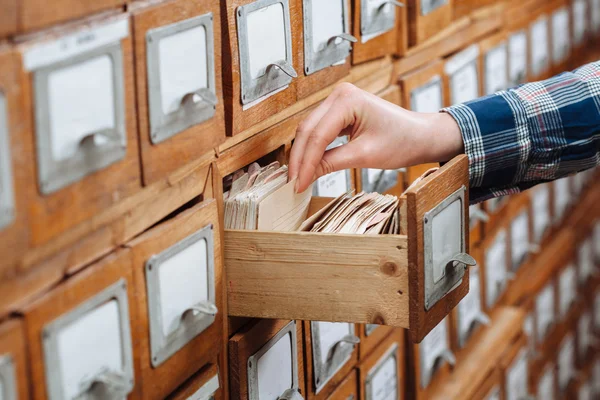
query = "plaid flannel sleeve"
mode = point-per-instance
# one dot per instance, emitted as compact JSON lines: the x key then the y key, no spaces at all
{"x":531,"y":134}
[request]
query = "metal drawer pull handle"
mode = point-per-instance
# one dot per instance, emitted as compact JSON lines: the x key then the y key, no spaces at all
{"x":448,"y":356}
{"x":204,"y":308}
{"x":291,"y":394}
{"x":351,"y":339}
{"x":461,"y":258}
{"x":480,"y":215}
{"x":283,"y":66}
{"x":198,"y":98}
{"x":344,"y":36}
{"x":392,"y":2}
{"x":89,"y":141}
{"x":483,"y":319}
{"x":104,"y":386}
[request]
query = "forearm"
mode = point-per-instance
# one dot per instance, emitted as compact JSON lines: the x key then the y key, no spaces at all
{"x":535,"y":133}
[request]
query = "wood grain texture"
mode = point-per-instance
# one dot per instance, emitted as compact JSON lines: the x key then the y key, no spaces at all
{"x":34,"y":14}
{"x":187,"y":146}
{"x":422,"y":27}
{"x":58,"y":212}
{"x":310,"y":276}
{"x":479,"y":360}
{"x":369,"y":342}
{"x":488,"y":386}
{"x":347,"y":389}
{"x":336,"y":380}
{"x":68,"y":296}
{"x":382,"y":45}
{"x":14,"y":238}
{"x":422,"y":198}
{"x":365,"y":366}
{"x":13,"y":343}
{"x":309,"y":84}
{"x":463,"y":8}
{"x":8,"y":18}
{"x":158,"y":382}
{"x":239,"y":120}
{"x":199,"y":379}
{"x":250,"y":340}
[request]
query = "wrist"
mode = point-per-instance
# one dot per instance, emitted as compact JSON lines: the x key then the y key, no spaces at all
{"x":444,"y":138}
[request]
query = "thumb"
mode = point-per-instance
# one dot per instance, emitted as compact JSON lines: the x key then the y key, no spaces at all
{"x":343,"y":157}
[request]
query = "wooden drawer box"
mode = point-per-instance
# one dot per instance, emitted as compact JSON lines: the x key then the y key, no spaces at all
{"x":180,"y":104}
{"x":14,"y":380}
{"x":265,"y":359}
{"x":80,"y":334}
{"x":178,"y":278}
{"x":259,"y":59}
{"x":515,"y":371}
{"x":371,"y":336}
{"x":84,"y":130}
{"x":324,"y":44}
{"x":348,"y":389}
{"x":395,"y":271}
{"x":380,"y":28}
{"x":205,"y":384}
{"x":426,"y":18}
{"x":34,"y":14}
{"x":331,"y":350}
{"x":543,"y":380}
{"x":8,"y":18}
{"x":15,"y":165}
{"x":383,"y":372}
{"x":493,"y":257}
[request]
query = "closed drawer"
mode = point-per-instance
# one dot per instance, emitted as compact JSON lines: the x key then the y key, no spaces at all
{"x":205,"y":384}
{"x":323,"y":45}
{"x":331,"y":352}
{"x":539,"y":46}
{"x":266,"y":359}
{"x":80,"y":334}
{"x":84,"y":129}
{"x":348,"y":389}
{"x":560,"y":35}
{"x":462,"y":8}
{"x":14,"y":381}
{"x":407,"y":280}
{"x":8,"y":18}
{"x":494,"y":64}
{"x":382,"y":375}
{"x":515,"y":370}
{"x":462,"y":76}
{"x":376,"y":26}
{"x":260,"y":60}
{"x":426,"y":18}
{"x":371,"y":335}
{"x":178,"y":278}
{"x":13,"y":166}
{"x":493,"y":259}
{"x":543,"y":381}
{"x":179,"y":103}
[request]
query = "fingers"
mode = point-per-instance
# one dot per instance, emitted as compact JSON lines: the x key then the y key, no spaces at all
{"x":303,"y":132}
{"x":340,"y":116}
{"x":340,"y":158}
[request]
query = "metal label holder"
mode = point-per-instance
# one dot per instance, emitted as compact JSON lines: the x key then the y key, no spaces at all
{"x":7,"y":200}
{"x":197,"y":106}
{"x":194,"y":320}
{"x":91,"y":157}
{"x":444,"y":355}
{"x":208,"y":390}
{"x":476,"y":319}
{"x":108,"y":384}
{"x":339,"y":141}
{"x":392,"y":352}
{"x":338,"y":355}
{"x":456,"y":266}
{"x":435,"y":81}
{"x":8,"y":378}
{"x":428,"y":6}
{"x":293,"y":392}
{"x":380,"y":21}
{"x":277,"y":75}
{"x":333,"y":52}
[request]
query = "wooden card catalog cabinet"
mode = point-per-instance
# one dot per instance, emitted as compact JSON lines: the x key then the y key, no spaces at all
{"x":516,"y":374}
{"x":14,"y":383}
{"x":178,"y":102}
{"x":348,"y":389}
{"x":562,"y":199}
{"x":468,"y":315}
{"x":84,"y":130}
{"x":518,"y":65}
{"x":560,"y":24}
{"x":371,"y":335}
{"x":494,"y":64}
{"x":567,"y":291}
{"x":34,"y":14}
{"x":331,"y":352}
{"x":206,"y":384}
{"x":265,"y":361}
{"x":545,"y":312}
{"x":178,"y":270}
{"x":540,"y":212}
{"x":380,"y":29}
{"x":336,"y":183}
{"x":324,"y":44}
{"x":13,"y":223}
{"x":493,"y":262}
{"x":545,"y":383}
{"x":416,"y":277}
{"x":566,"y":363}
{"x":79,"y":334}
{"x":381,"y":375}
{"x":426,"y":18}
{"x":539,"y":48}
{"x":432,"y":358}
{"x":259,"y":78}
{"x":461,"y":76}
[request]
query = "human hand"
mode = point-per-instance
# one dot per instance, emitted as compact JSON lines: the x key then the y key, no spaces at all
{"x":381,"y":135}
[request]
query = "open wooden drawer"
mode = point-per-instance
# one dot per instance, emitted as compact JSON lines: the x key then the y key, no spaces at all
{"x":408,"y":280}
